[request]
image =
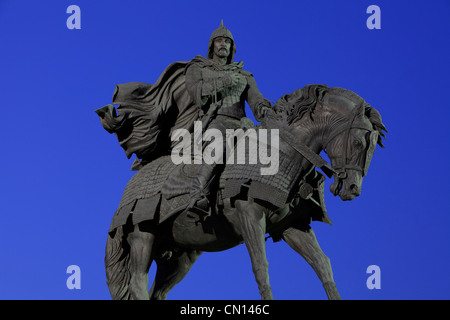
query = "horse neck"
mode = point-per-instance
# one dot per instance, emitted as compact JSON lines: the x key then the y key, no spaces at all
{"x":327,"y":118}
{"x":294,"y":140}
{"x":309,"y":133}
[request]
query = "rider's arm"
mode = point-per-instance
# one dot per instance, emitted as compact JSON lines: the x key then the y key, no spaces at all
{"x":256,"y":100}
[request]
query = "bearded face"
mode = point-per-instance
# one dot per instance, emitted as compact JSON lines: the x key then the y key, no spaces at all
{"x":222,"y":47}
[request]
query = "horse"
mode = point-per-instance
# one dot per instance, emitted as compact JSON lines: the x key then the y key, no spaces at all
{"x":310,"y":120}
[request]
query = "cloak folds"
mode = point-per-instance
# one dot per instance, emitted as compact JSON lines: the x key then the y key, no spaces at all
{"x":148,"y":113}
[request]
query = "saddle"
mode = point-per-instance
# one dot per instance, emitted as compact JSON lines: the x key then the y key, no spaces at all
{"x":175,"y":192}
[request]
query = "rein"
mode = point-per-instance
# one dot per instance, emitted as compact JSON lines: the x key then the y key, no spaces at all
{"x":303,"y":150}
{"x":341,"y":172}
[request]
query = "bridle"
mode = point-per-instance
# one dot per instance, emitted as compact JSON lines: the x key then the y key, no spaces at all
{"x":340,"y":172}
{"x":341,"y":169}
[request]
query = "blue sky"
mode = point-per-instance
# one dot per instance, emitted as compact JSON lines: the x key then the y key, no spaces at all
{"x":63,"y":174}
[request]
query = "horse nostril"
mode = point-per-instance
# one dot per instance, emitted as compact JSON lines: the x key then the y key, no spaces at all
{"x":355,"y":189}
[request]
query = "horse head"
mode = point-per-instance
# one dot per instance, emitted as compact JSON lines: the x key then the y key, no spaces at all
{"x":355,"y":128}
{"x":341,"y":124}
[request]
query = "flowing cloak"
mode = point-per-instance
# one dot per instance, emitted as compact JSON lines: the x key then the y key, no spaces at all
{"x":149,"y":113}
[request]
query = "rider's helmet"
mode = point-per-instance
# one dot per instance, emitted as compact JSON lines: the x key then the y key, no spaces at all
{"x":221,"y":31}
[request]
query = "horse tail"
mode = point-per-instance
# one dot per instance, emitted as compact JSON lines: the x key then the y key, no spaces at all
{"x":117,"y":265}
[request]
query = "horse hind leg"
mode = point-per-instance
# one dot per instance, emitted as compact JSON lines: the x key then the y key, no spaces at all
{"x":141,"y":241}
{"x":305,"y":243}
{"x":170,"y":271}
{"x":117,"y":265}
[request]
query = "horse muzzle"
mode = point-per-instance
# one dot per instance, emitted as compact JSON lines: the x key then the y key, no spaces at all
{"x":350,"y":193}
{"x":347,"y":189}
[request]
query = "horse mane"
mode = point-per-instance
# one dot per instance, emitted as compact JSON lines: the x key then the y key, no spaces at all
{"x":296,"y":104}
{"x":349,"y":95}
{"x":303,"y":101}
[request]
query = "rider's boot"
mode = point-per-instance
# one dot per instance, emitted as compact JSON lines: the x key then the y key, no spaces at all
{"x":200,"y":190}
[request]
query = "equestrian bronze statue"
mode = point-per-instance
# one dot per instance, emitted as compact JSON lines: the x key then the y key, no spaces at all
{"x":173,"y":211}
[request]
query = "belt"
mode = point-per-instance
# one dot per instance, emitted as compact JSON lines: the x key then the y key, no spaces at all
{"x":235,"y":111}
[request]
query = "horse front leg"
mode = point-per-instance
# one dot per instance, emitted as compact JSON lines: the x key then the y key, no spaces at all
{"x":253,"y":226}
{"x":305,"y":243}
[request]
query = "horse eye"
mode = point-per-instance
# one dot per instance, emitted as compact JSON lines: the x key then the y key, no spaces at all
{"x":357,"y":143}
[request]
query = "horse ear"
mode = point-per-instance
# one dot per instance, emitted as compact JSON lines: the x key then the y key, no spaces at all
{"x":375,"y":118}
{"x":360,"y":111}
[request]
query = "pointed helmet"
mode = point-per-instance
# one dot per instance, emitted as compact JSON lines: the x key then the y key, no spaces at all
{"x":221,"y":31}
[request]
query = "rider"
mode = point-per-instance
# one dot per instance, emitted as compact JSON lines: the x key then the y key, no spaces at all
{"x":219,"y":87}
